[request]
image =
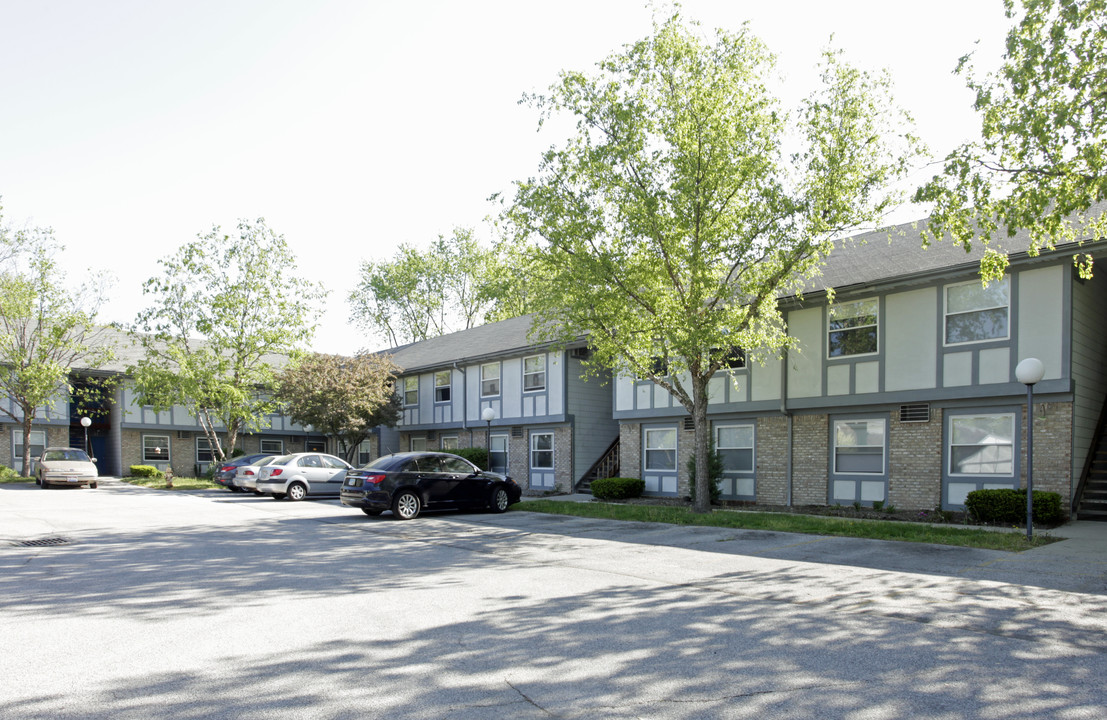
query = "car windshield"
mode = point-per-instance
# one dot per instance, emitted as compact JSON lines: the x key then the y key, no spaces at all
{"x":265,"y":460}
{"x":65,"y":455}
{"x":384,"y":462}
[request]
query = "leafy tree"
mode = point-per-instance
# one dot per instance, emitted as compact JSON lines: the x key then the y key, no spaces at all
{"x":224,"y":306}
{"x":1041,"y":163}
{"x":419,"y":295}
{"x":47,"y":326}
{"x":672,"y":220}
{"x":342,"y":397}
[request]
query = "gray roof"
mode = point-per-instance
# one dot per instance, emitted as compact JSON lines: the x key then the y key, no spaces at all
{"x":486,"y":341}
{"x":128,"y":351}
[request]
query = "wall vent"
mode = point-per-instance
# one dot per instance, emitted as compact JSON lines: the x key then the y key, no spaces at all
{"x":689,"y":423}
{"x":516,"y":431}
{"x":430,"y":434}
{"x":580,"y":353}
{"x":184,"y":434}
{"x":915,"y":413}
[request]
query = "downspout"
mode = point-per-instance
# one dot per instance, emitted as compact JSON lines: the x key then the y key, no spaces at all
{"x":788,"y":431}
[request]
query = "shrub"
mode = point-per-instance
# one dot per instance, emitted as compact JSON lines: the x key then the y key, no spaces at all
{"x":878,"y":504}
{"x":1008,"y":506}
{"x":715,"y":469}
{"x":618,"y":488}
{"x":7,"y":473}
{"x":146,"y":471}
{"x":477,"y":456}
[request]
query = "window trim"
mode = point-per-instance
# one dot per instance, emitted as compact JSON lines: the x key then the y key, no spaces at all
{"x":442,"y":443}
{"x":542,"y":359}
{"x":1006,"y":280}
{"x":411,"y":380}
{"x":484,"y":380}
{"x":211,"y":451}
{"x":875,"y":324}
{"x":1013,"y":445}
{"x":168,"y":448}
{"x":438,"y":399}
{"x":752,"y":446}
{"x":834,"y":447}
{"x":506,"y":452}
{"x":533,"y":437}
{"x":262,"y":441}
{"x":17,"y":438}
{"x":646,"y":449}
{"x":412,"y":440}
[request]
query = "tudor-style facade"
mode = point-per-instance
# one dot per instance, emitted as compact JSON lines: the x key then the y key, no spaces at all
{"x":902,"y":391}
{"x":550,"y":425}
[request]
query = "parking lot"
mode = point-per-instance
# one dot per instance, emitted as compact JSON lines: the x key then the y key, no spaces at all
{"x":212,"y":605}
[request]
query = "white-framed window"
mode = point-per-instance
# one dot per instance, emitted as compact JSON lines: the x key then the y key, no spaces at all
{"x":489,"y":379}
{"x":734,"y":443}
{"x":155,"y":448}
{"x":364,"y":452}
{"x":497,"y":454}
{"x":38,"y":444}
{"x":449,"y":442}
{"x":982,"y":444}
{"x":204,"y":453}
{"x":411,"y":390}
{"x":442,"y":386}
{"x":534,"y":373}
{"x":418,"y":444}
{"x":661,"y":448}
{"x":269,"y":445}
{"x":542,"y":451}
{"x":735,"y":359}
{"x":859,"y":446}
{"x":852,"y":328}
{"x":975,"y":313}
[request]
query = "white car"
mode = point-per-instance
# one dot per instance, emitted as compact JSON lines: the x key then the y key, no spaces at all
{"x":301,"y":474}
{"x":66,"y":466}
{"x":246,"y":476}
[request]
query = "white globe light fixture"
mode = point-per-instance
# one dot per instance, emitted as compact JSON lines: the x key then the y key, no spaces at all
{"x":85,"y":422}
{"x":1030,"y":372}
{"x":488,"y":415}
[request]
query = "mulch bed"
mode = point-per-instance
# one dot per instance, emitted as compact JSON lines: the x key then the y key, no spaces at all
{"x":842,"y":511}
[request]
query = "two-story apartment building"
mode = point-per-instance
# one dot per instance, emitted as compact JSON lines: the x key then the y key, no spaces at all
{"x":902,"y":390}
{"x":549,"y":424}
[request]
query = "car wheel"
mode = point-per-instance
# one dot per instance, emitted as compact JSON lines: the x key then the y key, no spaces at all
{"x":258,"y":492}
{"x":500,"y":501}
{"x":277,"y":496}
{"x":371,"y":513}
{"x":297,"y":491}
{"x":93,"y":485}
{"x":234,"y":488}
{"x":406,"y":506}
{"x":45,"y":485}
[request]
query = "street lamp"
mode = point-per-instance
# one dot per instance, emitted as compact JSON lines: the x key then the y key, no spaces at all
{"x":488,"y":415}
{"x":85,"y":422}
{"x":1029,"y":372}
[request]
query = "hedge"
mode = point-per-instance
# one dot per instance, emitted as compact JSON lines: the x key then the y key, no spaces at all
{"x":617,"y":488}
{"x":1007,"y":506}
{"x":476,"y":455}
{"x":146,"y":471}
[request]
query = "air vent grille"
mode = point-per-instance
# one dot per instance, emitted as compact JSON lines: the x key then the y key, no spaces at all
{"x":517,"y":431}
{"x":914,"y":413}
{"x":689,"y":423}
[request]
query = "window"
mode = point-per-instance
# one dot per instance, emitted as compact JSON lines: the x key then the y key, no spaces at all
{"x":204,"y":453}
{"x":734,"y":443}
{"x":534,"y":373}
{"x":735,"y":359}
{"x":859,"y":447}
{"x":541,"y":451}
{"x":661,"y":446}
{"x":975,"y":313}
{"x":155,"y":448}
{"x":275,"y":447}
{"x":418,"y":444}
{"x":852,"y":328}
{"x":315,"y":445}
{"x":442,"y":386}
{"x":457,"y":466}
{"x":364,"y":452}
{"x":411,"y":391}
{"x":982,"y":444}
{"x":489,"y":379}
{"x":449,"y":442}
{"x":38,"y":444}
{"x":497,"y":455}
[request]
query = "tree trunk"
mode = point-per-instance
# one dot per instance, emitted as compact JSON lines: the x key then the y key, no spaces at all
{"x":28,"y":419}
{"x":701,"y":445}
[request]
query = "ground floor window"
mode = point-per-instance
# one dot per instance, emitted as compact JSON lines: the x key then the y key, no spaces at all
{"x":272,"y":446}
{"x":541,"y":451}
{"x":365,"y":453}
{"x":155,"y":448}
{"x":980,"y":454}
{"x":315,"y":445}
{"x":204,"y":453}
{"x":858,"y":462}
{"x":659,"y":460}
{"x":418,"y":444}
{"x":735,"y":445}
{"x":449,"y":443}
{"x":38,"y":444}
{"x":497,"y":454}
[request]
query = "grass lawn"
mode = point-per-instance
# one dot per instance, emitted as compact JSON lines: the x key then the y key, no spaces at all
{"x":810,"y":524}
{"x":179,"y":483}
{"x":14,"y":479}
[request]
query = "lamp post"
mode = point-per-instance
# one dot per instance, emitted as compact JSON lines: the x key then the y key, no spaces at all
{"x":1029,"y":372}
{"x":85,"y":422}
{"x":488,"y":415}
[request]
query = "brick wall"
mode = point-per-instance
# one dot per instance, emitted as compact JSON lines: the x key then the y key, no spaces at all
{"x":1052,"y":449}
{"x":915,"y":462}
{"x":771,"y":457}
{"x":630,"y":450}
{"x":809,"y":459}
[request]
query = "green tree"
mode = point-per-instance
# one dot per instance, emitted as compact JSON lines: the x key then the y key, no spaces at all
{"x":47,"y":326}
{"x":1041,"y":163}
{"x":672,"y":220}
{"x":227,"y":311}
{"x":341,"y":397}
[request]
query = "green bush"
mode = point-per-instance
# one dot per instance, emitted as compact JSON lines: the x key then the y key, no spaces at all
{"x":1007,"y":506}
{"x":618,"y":488}
{"x":146,"y":471}
{"x":715,"y":469}
{"x":7,"y":473}
{"x":476,"y":455}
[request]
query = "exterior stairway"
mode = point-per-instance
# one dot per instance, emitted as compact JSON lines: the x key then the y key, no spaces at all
{"x":1091,"y":502}
{"x":607,"y":466}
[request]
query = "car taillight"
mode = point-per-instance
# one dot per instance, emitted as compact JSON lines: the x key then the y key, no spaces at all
{"x":373,"y":479}
{"x":228,"y":468}
{"x":248,"y":472}
{"x":274,"y":472}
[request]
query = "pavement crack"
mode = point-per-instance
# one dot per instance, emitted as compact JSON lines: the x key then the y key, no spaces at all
{"x":525,"y":697}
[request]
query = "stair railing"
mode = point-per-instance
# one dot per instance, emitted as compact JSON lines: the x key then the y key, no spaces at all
{"x":605,"y":467}
{"x":1100,"y":426}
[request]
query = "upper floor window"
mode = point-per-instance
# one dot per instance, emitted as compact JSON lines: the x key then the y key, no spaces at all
{"x":534,"y":373}
{"x":442,"y":386}
{"x":411,"y":391}
{"x":982,"y":444}
{"x":852,"y":328}
{"x":859,"y":447}
{"x":735,"y":358}
{"x":975,"y":313}
{"x":489,"y":379}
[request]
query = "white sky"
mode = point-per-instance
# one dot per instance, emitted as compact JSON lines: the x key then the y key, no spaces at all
{"x":131,"y":126}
